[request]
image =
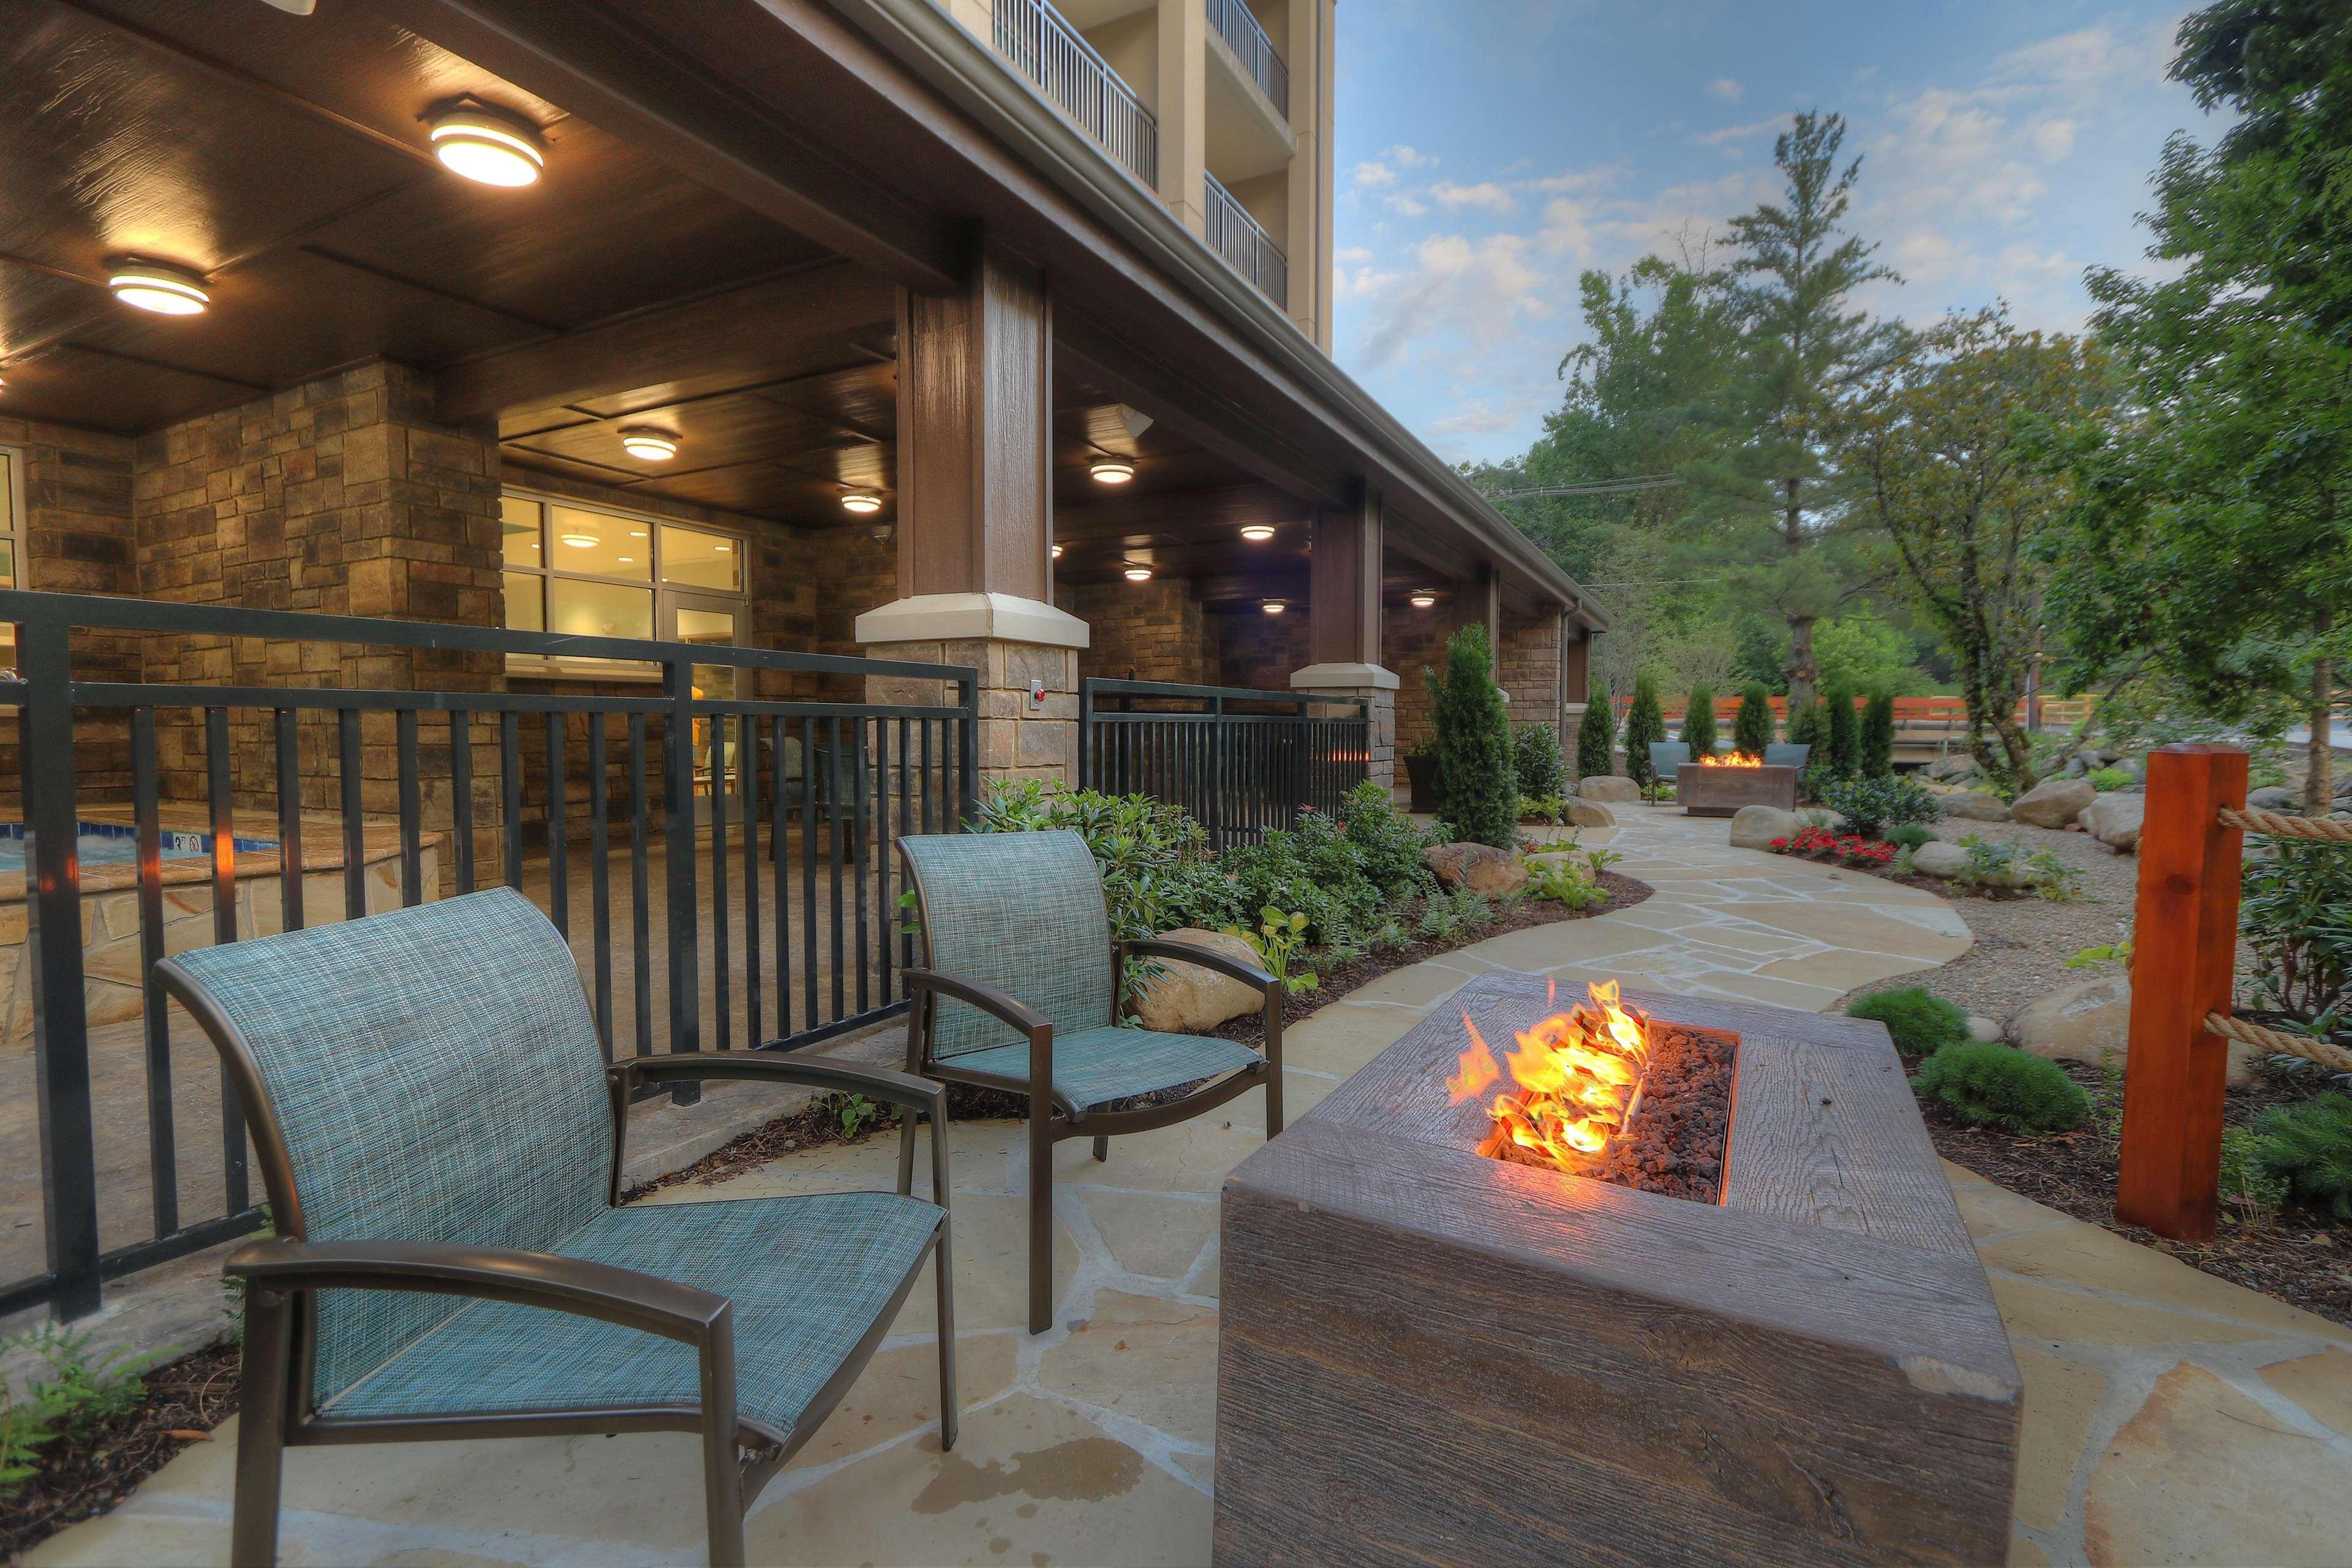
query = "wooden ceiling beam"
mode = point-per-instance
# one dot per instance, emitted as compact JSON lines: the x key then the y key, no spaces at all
{"x":1222,"y":507}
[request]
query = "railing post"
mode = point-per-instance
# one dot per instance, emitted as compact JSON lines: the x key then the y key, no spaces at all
{"x":678,"y":812}
{"x":1216,"y":823}
{"x":61,"y":1020}
{"x":2184,"y":949}
{"x":968,"y":754}
{"x":1086,"y":733}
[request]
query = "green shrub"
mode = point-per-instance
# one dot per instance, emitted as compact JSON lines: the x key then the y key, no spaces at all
{"x":1805,"y":724}
{"x":1279,"y":938}
{"x":1154,"y":859}
{"x":1843,"y":740}
{"x":1313,"y":869}
{"x":1698,"y":722}
{"x":1563,"y":881}
{"x":1871,"y":804}
{"x":2244,"y":1180}
{"x":2296,"y":912}
{"x":1388,"y":843}
{"x":1549,"y":808}
{"x":1751,"y":731}
{"x":1478,"y":776}
{"x":1543,"y":773}
{"x":2106,"y":780}
{"x":1878,"y":736}
{"x":2309,"y":1148}
{"x":1446,"y":916}
{"x":1645,"y":721}
{"x":1921,"y":1022}
{"x":1999,"y":1086}
{"x":1596,"y":738}
{"x":1909,"y":835}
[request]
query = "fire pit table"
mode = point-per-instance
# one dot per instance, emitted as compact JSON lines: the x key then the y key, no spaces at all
{"x":1438,"y":1346}
{"x":1720,"y":789}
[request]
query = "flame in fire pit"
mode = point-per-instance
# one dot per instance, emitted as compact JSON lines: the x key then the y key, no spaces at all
{"x":1736,"y":760}
{"x":1578,"y":1076}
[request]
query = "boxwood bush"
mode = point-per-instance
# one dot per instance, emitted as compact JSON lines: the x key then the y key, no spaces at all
{"x":1921,"y":1023}
{"x":2001,"y":1086}
{"x":1870,"y":805}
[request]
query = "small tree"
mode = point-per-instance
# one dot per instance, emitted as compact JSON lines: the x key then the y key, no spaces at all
{"x":1596,"y":738}
{"x":1698,"y":722}
{"x":1536,"y":749}
{"x":1752,"y":730}
{"x":1878,"y":736}
{"x":1844,"y":741}
{"x":1478,"y":774}
{"x":1645,"y":722}
{"x":1805,"y":724}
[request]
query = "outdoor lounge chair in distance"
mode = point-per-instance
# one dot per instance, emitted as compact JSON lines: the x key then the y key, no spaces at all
{"x":441,"y":1142}
{"x":1021,"y":995}
{"x":1665,"y":757}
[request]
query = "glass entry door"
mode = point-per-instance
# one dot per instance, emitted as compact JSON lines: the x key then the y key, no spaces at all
{"x":711,"y":622}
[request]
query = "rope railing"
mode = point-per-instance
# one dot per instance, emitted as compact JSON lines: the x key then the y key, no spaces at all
{"x":2336,"y":1058}
{"x":2278,"y":826}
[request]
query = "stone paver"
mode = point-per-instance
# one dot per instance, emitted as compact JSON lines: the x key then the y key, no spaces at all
{"x":2169,"y":1417}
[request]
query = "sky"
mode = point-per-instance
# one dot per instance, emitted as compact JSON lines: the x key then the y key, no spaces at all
{"x":1490,"y":150}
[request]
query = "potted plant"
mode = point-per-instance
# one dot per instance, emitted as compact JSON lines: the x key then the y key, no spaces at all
{"x":1421,"y":776}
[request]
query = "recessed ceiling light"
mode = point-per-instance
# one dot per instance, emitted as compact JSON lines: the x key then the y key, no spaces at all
{"x":862,"y":503}
{"x":1424,"y":600}
{"x":723,"y":549}
{"x":155,"y":285}
{"x":488,"y":147}
{"x":645,"y":441}
{"x":579,"y":540}
{"x":1138,"y":573}
{"x":1057,"y":553}
{"x":637,"y":533}
{"x":1258,"y":533}
{"x":1272,"y":606}
{"x":626,"y":559}
{"x":1112,"y":471}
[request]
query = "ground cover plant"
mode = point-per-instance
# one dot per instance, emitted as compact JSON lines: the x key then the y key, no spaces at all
{"x":1920,"y":1022}
{"x":1992,"y":1085}
{"x":1870,"y":803}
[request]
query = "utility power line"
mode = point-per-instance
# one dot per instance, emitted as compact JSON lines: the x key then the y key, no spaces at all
{"x":1593,"y":487}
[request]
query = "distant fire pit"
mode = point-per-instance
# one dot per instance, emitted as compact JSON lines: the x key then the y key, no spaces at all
{"x":1484,"y":1305}
{"x":1719,"y":786}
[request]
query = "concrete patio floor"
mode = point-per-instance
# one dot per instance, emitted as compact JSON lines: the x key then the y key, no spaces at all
{"x":2170,"y":1416}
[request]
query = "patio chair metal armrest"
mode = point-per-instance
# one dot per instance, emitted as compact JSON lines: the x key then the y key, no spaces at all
{"x":622,"y":1296}
{"x":818,"y":1072}
{"x":987,"y":998}
{"x":1207,"y":958}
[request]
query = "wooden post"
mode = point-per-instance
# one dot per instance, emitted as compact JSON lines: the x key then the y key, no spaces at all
{"x":2184,"y":947}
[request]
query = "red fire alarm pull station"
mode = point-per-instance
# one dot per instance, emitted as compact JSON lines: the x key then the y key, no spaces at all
{"x":1036,"y":694}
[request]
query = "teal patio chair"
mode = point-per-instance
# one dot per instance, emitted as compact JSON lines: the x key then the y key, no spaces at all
{"x":1784,"y":754}
{"x":1020,"y":995}
{"x":1666,"y":756}
{"x":441,"y":1142}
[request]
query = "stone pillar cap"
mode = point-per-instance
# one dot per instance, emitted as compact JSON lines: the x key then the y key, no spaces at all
{"x":956,"y":617}
{"x":1354,"y":677}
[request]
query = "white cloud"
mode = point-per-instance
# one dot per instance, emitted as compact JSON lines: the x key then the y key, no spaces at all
{"x":1486,"y":196}
{"x":1372,"y":174}
{"x":1408,"y":207}
{"x":1730,"y":137}
{"x":1405,"y":157}
{"x":2054,"y":138}
{"x":1723,"y":88}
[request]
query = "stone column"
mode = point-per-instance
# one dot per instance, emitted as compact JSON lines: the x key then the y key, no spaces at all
{"x":975,"y":504}
{"x":1182,"y":108}
{"x":1343,"y":626}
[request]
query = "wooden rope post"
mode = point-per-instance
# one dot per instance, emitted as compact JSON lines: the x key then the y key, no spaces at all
{"x":2184,"y":949}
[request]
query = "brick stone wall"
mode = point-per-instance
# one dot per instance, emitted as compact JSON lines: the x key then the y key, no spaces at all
{"x":1411,"y":641}
{"x":1530,"y":672}
{"x":1260,"y":651}
{"x":1141,"y":631}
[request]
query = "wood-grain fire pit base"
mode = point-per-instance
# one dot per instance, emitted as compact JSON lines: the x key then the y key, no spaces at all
{"x":1701,"y":791}
{"x":1428,"y":1357}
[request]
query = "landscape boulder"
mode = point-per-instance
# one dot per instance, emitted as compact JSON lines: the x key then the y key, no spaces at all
{"x":1976,"y":806}
{"x":1950,"y":861}
{"x":2052,"y":804}
{"x":1951,"y":767}
{"x":1186,"y":999}
{"x":2090,"y":1018}
{"x":1481,"y":867}
{"x":1984,"y":1031}
{"x":2114,"y":820}
{"x":2274,"y":797}
{"x":1604,"y":786}
{"x":1582,"y":813}
{"x":1755,"y":827}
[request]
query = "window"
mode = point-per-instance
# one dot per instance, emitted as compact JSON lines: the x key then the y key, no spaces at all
{"x":12,"y":539}
{"x":590,"y":570}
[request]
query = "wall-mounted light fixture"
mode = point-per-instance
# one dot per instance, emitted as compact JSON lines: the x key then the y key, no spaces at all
{"x":488,"y":146}
{"x":1057,"y":553}
{"x":651,"y":445}
{"x":159,"y":287}
{"x":1112,"y":471}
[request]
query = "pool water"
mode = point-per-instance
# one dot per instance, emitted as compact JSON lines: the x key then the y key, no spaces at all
{"x":113,"y":844}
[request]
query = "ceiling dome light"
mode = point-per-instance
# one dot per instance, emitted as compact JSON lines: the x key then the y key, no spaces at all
{"x":1274,"y":607}
{"x":1057,"y":553}
{"x":579,"y":540}
{"x":1138,"y":573}
{"x":154,"y":286}
{"x":863,"y":502}
{"x":1112,"y":470}
{"x":488,"y":147}
{"x":1258,"y":533}
{"x":1423,"y":599}
{"x":645,"y":441}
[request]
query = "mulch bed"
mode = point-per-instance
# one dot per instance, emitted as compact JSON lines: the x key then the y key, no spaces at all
{"x":78,"y":1478}
{"x":2295,"y":1255}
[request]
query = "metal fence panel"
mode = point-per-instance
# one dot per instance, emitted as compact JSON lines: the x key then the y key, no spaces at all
{"x":1239,"y":762}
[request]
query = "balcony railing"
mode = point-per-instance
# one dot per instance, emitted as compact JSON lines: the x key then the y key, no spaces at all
{"x":1240,"y":29}
{"x":1048,"y":50}
{"x":1238,"y":237}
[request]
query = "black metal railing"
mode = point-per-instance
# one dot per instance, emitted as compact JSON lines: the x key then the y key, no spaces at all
{"x":1239,"y":762}
{"x":1045,"y":47}
{"x":1238,"y":26}
{"x":677,"y":807}
{"x":1242,"y":240}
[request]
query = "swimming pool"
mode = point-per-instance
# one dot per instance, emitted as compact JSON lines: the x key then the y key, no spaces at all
{"x":115,"y":843}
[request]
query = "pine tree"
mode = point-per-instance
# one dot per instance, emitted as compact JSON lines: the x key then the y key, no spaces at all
{"x":1878,"y":736}
{"x":1596,"y":738}
{"x":1645,"y":722}
{"x":1844,"y":748}
{"x":1698,"y":722}
{"x":1805,"y":724}
{"x":1752,"y":730}
{"x":1478,"y":774}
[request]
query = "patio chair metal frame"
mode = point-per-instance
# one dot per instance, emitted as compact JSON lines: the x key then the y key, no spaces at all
{"x":282,"y":1276}
{"x":1053,"y":1116}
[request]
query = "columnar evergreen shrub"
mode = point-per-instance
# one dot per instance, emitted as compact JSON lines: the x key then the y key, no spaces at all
{"x":1805,"y":724}
{"x":1752,"y":731}
{"x":1878,"y":736}
{"x":1478,"y":774}
{"x":1844,"y":741}
{"x":1698,"y":722}
{"x":1596,"y":738}
{"x":1645,"y":722}
{"x":1536,"y":751}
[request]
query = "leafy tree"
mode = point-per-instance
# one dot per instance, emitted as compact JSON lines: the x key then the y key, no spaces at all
{"x":1477,"y":773}
{"x":1645,"y":721}
{"x":1878,"y":736}
{"x":1596,"y":738}
{"x":1843,"y":741}
{"x":1698,"y":722}
{"x":1751,"y":731}
{"x":1950,"y":471}
{"x":1768,"y":498}
{"x":1860,"y":650}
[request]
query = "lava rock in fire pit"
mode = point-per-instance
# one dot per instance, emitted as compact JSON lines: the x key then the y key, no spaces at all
{"x":1481,"y":867}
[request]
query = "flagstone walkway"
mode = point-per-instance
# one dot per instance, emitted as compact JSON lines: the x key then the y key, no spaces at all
{"x":2170,"y":1416}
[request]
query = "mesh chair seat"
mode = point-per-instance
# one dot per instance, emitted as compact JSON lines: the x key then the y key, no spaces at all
{"x":1787,"y":754}
{"x":806,"y":1277}
{"x":1096,"y":1066}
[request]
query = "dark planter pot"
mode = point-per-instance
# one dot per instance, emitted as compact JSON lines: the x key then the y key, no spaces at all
{"x":1421,"y":779}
